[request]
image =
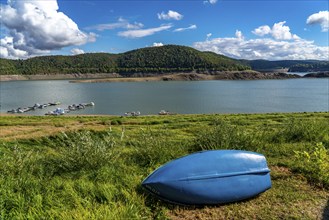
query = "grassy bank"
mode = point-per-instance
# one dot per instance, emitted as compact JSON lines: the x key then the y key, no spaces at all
{"x":91,"y":167}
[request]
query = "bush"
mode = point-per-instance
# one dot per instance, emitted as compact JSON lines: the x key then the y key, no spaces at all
{"x":223,"y":135}
{"x":77,"y":151}
{"x":314,"y":164}
{"x":155,"y":148}
{"x":296,"y":130}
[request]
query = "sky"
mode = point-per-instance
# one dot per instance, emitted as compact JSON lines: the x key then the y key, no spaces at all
{"x":241,"y":29}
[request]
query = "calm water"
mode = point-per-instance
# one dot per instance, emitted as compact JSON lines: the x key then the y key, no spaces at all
{"x":293,"y":95}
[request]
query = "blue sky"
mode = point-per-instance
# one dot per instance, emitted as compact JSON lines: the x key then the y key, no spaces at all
{"x":265,"y":29}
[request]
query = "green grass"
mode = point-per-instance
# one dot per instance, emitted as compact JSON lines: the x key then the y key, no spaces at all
{"x":95,"y":172}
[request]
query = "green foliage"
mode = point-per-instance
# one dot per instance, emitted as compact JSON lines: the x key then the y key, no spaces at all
{"x":292,"y":65}
{"x":295,"y":130}
{"x":172,"y":58}
{"x":97,"y":174}
{"x":151,"y":60}
{"x":153,"y":148}
{"x":79,"y":151}
{"x":314,"y":164}
{"x":223,"y":135}
{"x":310,"y":67}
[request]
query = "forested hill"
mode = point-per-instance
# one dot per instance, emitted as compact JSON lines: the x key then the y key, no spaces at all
{"x":165,"y":59}
{"x":291,"y":65}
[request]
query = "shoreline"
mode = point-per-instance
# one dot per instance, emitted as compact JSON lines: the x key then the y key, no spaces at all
{"x":5,"y":78}
{"x":192,"y":76}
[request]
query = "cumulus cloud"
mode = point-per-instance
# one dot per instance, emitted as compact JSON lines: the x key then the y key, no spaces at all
{"x":76,"y":51}
{"x":210,"y":1}
{"x":322,"y":18}
{"x":143,"y":32}
{"x":279,"y":31}
{"x":262,"y":30}
{"x":208,"y":36}
{"x":7,"y":49}
{"x":121,"y":23}
{"x":170,"y":15}
{"x":264,"y":48}
{"x":191,"y":27}
{"x":37,"y":27}
{"x":239,"y":35}
{"x":157,"y":44}
{"x":282,"y":32}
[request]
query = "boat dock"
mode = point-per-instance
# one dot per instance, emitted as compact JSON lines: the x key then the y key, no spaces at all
{"x":32,"y":108}
{"x":57,"y":111}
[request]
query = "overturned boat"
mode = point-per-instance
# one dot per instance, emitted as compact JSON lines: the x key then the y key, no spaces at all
{"x":210,"y":177}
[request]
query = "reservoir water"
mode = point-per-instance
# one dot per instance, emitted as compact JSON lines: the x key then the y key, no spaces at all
{"x":184,"y":97}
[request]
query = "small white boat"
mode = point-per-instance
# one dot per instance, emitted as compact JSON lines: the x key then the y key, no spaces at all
{"x":57,"y":111}
{"x":132,"y":113}
{"x":164,"y":112}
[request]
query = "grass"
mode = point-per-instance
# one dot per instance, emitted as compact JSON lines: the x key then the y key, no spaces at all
{"x":91,"y":167}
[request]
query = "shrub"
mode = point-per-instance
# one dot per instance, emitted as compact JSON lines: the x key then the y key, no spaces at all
{"x":223,"y":135}
{"x":314,"y":164}
{"x":81,"y":150}
{"x":300,"y":130}
{"x":155,"y":147}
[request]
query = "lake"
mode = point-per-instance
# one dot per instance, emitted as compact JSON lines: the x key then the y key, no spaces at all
{"x":184,"y":97}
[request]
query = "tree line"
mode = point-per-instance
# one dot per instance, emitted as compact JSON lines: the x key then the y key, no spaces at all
{"x":165,"y":59}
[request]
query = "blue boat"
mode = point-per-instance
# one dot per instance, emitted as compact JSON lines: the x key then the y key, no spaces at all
{"x":210,"y":177}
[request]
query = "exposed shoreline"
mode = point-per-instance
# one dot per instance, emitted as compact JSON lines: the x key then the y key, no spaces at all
{"x":192,"y":76}
{"x":56,"y":76}
{"x":106,"y":77}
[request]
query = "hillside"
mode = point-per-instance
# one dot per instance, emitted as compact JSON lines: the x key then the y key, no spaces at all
{"x":83,"y":63}
{"x":290,"y":65}
{"x":151,"y":61}
{"x":165,"y":59}
{"x":175,"y":59}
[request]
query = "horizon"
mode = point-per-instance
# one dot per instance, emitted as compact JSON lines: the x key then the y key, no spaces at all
{"x":251,"y":30}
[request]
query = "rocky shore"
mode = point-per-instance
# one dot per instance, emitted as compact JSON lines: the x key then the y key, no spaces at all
{"x":193,"y":76}
{"x":57,"y":76}
{"x":231,"y":75}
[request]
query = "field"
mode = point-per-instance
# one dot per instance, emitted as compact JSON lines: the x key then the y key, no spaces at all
{"x":91,"y":167}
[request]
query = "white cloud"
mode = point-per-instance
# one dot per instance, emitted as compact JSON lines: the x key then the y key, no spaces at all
{"x":157,"y":44}
{"x":121,"y":23}
{"x":264,"y":48}
{"x":76,"y":51}
{"x":191,"y":27}
{"x":322,"y":18}
{"x":210,"y":1}
{"x":262,"y":30}
{"x":279,"y":31}
{"x":208,"y":36}
{"x":171,"y":15}
{"x":143,"y":32}
{"x":7,"y":49}
{"x":282,"y":32}
{"x":36,"y":27}
{"x":239,"y":35}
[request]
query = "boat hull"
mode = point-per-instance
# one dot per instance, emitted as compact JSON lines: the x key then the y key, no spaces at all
{"x":210,"y":177}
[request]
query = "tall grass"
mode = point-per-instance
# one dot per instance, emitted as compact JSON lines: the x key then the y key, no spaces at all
{"x":152,"y":147}
{"x":85,"y":150}
{"x":224,"y":135}
{"x":291,"y":139}
{"x":97,"y":175}
{"x":296,"y":130}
